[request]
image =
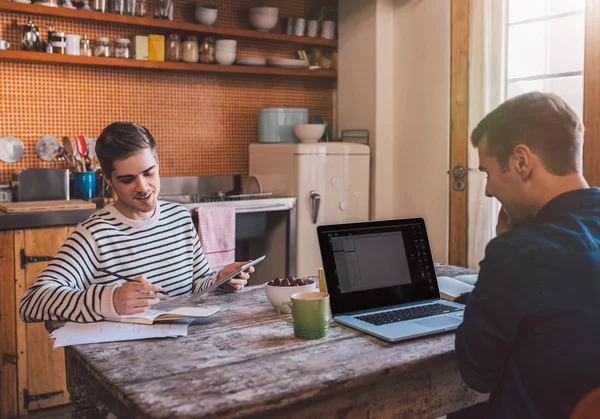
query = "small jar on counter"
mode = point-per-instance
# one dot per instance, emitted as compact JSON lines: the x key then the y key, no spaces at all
{"x":85,"y":48}
{"x":101,"y":47}
{"x":206,"y":51}
{"x":122,"y":49}
{"x":190,"y":49}
{"x":59,"y":43}
{"x":173,"y":48}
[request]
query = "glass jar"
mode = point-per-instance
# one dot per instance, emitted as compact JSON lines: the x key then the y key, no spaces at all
{"x":122,"y":49}
{"x":190,"y":49}
{"x":85,"y":48}
{"x":101,"y":47}
{"x":141,"y":8}
{"x":206,"y":51}
{"x":59,"y":43}
{"x":173,"y":50}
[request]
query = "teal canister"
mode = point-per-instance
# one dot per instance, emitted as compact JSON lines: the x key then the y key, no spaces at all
{"x":276,"y":125}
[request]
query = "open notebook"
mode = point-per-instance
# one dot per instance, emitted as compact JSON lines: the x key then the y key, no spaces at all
{"x":153,"y":315}
{"x":450,"y":288}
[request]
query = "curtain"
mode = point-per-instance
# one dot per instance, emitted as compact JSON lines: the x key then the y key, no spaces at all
{"x":487,"y":89}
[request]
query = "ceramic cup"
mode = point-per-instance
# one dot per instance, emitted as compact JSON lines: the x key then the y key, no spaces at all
{"x":84,"y":185}
{"x":73,"y":44}
{"x":327,"y":29}
{"x":310,"y":314}
{"x":299,"y":26}
{"x":4,"y":44}
{"x":289,"y":29}
{"x":312,"y":27}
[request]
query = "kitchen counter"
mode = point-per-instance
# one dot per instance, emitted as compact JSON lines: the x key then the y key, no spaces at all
{"x":18,"y":221}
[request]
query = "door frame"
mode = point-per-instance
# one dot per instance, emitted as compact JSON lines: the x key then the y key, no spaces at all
{"x":458,"y":224}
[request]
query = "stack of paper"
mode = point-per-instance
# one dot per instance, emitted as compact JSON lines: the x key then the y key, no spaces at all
{"x":80,"y":333}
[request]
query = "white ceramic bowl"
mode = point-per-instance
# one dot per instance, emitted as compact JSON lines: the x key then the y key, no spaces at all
{"x":277,"y":295}
{"x":225,"y":57}
{"x":263,"y":19}
{"x":206,"y":14}
{"x":309,"y":133}
{"x":226,"y":43}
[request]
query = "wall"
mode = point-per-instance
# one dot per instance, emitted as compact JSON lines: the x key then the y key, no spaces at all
{"x":203,"y":123}
{"x":399,"y":88}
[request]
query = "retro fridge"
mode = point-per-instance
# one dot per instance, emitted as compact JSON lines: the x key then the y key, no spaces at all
{"x":329,"y":180}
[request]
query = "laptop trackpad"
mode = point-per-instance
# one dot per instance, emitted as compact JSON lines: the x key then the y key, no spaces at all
{"x":438,"y":322}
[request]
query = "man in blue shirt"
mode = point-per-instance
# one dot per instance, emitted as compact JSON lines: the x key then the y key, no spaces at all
{"x":531,"y":331}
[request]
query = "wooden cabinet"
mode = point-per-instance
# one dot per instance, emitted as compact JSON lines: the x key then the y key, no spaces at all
{"x":32,"y":374}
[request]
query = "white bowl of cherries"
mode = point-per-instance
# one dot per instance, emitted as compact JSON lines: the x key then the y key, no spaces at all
{"x":280,"y":290}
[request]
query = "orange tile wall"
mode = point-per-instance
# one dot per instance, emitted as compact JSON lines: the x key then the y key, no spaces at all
{"x":203,"y":123}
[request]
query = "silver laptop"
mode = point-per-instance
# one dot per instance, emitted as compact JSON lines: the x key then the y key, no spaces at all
{"x":381,"y":279}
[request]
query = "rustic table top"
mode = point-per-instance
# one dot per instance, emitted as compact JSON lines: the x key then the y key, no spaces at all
{"x":245,"y":361}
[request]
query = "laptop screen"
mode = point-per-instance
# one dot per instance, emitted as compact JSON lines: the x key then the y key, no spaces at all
{"x":375,"y":264}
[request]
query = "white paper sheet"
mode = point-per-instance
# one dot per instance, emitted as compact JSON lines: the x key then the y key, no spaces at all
{"x":467,"y":279}
{"x":452,"y":287}
{"x":80,"y":333}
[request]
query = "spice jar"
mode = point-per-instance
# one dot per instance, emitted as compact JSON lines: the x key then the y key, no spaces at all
{"x":122,"y":49}
{"x":85,"y":49}
{"x":173,"y":49}
{"x":101,"y":47}
{"x":59,"y":43}
{"x":190,"y":49}
{"x":206,"y":51}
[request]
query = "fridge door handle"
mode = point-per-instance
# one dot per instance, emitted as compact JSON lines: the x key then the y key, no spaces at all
{"x":315,"y":203}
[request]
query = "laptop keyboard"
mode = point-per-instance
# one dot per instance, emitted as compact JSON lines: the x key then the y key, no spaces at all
{"x":402,"y":314}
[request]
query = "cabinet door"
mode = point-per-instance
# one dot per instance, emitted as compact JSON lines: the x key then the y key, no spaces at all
{"x":42,"y":381}
{"x":8,"y":334}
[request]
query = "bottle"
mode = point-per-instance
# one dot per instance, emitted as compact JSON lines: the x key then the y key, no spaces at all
{"x":49,"y":42}
{"x":31,"y":37}
{"x":85,"y":48}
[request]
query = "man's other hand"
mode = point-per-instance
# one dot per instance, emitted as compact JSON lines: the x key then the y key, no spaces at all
{"x":135,"y":297}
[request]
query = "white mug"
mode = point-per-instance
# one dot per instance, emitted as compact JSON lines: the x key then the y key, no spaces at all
{"x":327,"y":29}
{"x":73,"y":44}
{"x":312,"y":28}
{"x":4,"y":44}
{"x":299,"y":26}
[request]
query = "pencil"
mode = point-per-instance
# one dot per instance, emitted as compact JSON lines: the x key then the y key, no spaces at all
{"x":125,"y":278}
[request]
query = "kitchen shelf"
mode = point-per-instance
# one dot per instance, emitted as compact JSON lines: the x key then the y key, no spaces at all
{"x":88,"y":15}
{"x":44,"y":58}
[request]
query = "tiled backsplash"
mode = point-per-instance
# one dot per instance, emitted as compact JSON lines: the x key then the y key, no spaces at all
{"x":203,"y":123}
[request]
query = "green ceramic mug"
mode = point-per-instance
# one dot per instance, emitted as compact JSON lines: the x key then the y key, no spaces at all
{"x":310,"y":314}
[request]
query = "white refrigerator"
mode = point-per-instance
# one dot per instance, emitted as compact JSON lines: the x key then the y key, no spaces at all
{"x":329,"y":180}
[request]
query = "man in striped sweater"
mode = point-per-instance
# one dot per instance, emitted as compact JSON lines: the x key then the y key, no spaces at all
{"x":154,"y":242}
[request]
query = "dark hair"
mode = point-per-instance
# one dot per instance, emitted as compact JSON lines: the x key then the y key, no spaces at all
{"x":120,"y":140}
{"x":543,"y":122}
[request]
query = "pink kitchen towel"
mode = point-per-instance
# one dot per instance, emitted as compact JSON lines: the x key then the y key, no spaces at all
{"x":216,"y":228}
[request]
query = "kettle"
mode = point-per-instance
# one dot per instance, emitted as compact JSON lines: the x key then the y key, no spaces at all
{"x":31,"y":37}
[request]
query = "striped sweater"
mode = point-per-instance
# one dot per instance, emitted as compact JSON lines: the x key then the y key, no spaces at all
{"x":165,"y":248}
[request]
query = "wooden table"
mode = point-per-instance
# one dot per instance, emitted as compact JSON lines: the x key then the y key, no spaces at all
{"x":246,"y":363}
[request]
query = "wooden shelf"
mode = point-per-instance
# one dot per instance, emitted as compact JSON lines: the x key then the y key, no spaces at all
{"x":88,"y":15}
{"x":44,"y":58}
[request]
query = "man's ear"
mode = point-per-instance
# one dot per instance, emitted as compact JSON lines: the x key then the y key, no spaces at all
{"x":107,"y":180}
{"x":523,"y":161}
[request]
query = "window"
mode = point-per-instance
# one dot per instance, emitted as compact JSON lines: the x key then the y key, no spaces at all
{"x":545,"y":49}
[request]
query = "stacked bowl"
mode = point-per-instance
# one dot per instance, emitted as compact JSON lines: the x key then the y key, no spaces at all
{"x":226,"y":51}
